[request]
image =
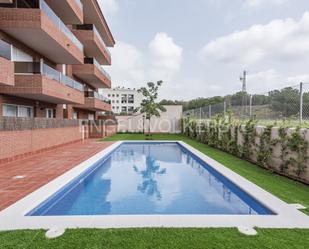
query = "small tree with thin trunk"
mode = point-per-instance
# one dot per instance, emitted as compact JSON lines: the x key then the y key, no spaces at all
{"x":149,"y":106}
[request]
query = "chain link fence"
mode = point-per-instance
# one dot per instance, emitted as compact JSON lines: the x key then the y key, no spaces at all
{"x":289,"y":104}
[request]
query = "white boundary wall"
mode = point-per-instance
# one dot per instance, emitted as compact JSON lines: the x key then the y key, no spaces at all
{"x":168,"y":122}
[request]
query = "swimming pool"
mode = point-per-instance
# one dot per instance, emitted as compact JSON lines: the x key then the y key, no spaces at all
{"x":150,"y":178}
{"x":150,"y":184}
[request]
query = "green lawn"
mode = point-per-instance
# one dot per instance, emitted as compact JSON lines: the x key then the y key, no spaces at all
{"x":157,"y":238}
{"x":284,"y":188}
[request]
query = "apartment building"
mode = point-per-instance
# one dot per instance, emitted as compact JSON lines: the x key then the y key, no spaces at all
{"x":123,"y":101}
{"x":51,"y":53}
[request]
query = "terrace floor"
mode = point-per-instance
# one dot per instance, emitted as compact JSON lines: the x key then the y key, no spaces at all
{"x":42,"y":168}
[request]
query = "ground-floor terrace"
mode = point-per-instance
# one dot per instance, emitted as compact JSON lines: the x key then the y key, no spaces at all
{"x":23,"y":176}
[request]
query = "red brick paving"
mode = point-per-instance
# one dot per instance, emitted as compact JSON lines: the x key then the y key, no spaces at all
{"x":42,"y":168}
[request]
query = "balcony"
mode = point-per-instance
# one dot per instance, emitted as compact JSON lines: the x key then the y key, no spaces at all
{"x":6,"y":65}
{"x":95,"y":102}
{"x":93,"y":14}
{"x":94,"y":46}
{"x":92,"y":73}
{"x":36,"y":80}
{"x":70,"y":11}
{"x":43,"y":31}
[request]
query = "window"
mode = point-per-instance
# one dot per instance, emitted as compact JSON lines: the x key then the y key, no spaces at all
{"x":17,"y":111}
{"x":18,"y":55}
{"x":113,"y":107}
{"x":123,"y":98}
{"x":113,"y":95}
{"x":90,"y":116}
{"x":131,"y":99}
{"x":25,"y":112}
{"x":49,"y":113}
{"x":113,"y":101}
{"x":10,"y":110}
{"x":108,"y":95}
{"x":117,"y":101}
{"x":124,"y":109}
{"x":130,"y":108}
{"x":75,"y":115}
{"x":117,"y":95}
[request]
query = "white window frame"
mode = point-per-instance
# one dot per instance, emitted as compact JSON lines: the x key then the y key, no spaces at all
{"x":18,"y":110}
{"x":75,"y":115}
{"x":47,"y":110}
{"x":91,"y":116}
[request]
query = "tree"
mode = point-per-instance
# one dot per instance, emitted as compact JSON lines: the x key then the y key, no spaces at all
{"x":149,"y":106}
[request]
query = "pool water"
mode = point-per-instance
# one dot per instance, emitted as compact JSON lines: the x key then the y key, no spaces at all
{"x":150,"y":178}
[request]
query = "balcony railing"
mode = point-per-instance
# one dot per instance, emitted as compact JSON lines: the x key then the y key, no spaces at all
{"x":94,"y":29}
{"x":92,"y":94}
{"x":44,"y":69}
{"x":61,"y":26}
{"x":97,"y":64}
{"x":5,"y":50}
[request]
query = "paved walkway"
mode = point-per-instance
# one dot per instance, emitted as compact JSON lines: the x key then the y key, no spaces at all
{"x":42,"y":168}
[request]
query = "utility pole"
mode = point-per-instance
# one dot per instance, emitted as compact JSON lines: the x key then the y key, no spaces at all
{"x":243,"y":80}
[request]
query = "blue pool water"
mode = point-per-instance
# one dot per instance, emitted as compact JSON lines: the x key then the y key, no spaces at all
{"x":150,"y":178}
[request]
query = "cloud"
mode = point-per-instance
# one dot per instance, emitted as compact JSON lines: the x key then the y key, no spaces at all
{"x":262,"y":3}
{"x":127,"y":65}
{"x":166,"y":56}
{"x":265,"y":81}
{"x":278,"y":40}
{"x":109,"y":7}
{"x":132,"y":67}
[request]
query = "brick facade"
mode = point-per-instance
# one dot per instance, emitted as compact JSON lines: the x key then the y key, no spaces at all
{"x":35,"y":36}
{"x":41,"y":87}
{"x":24,"y":20}
{"x":14,"y":144}
{"x":94,"y":46}
{"x":6,"y":72}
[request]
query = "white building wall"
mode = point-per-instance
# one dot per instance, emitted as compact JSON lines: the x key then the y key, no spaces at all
{"x":116,"y":97}
{"x":168,"y":122}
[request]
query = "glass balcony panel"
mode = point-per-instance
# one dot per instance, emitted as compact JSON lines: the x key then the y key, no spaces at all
{"x":5,"y":50}
{"x":79,"y":3}
{"x":60,"y":25}
{"x":97,"y":64}
{"x":44,"y":69}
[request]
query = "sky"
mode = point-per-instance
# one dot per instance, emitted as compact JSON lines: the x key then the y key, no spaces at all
{"x":199,"y":48}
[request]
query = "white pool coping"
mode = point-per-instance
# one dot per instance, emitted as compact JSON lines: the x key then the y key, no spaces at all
{"x":288,"y":216}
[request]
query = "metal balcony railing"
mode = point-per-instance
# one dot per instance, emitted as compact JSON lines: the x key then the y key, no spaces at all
{"x":97,"y":64}
{"x":44,"y":69}
{"x":94,"y":29}
{"x":5,"y":50}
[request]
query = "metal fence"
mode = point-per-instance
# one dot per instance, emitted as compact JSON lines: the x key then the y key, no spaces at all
{"x":287,"y":104}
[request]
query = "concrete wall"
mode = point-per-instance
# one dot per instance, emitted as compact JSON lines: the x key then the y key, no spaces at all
{"x":169,"y":122}
{"x":275,"y":161}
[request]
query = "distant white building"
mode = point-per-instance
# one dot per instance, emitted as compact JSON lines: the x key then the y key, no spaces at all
{"x":123,"y":100}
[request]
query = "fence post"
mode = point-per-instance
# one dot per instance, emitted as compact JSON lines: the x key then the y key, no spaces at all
{"x":301,"y":103}
{"x":210,"y":111}
{"x":250,"y":106}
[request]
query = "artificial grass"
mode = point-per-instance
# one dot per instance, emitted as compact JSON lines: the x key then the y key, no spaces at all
{"x":158,"y":238}
{"x":282,"y":187}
